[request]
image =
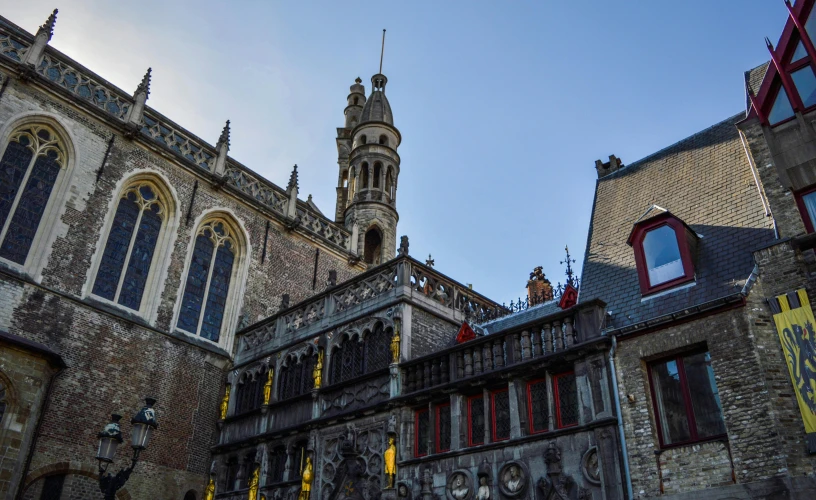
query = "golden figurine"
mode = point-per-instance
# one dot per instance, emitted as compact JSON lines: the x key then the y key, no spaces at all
{"x":395,"y":344}
{"x":306,"y":477}
{"x":225,"y":403}
{"x":318,"y":370}
{"x":253,"y":484}
{"x":209,"y":491}
{"x":390,"y":457}
{"x":267,"y":389}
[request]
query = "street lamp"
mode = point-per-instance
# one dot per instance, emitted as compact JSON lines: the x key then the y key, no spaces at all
{"x":110,"y":438}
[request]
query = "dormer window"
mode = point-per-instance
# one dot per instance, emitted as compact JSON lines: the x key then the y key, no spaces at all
{"x":663,"y":247}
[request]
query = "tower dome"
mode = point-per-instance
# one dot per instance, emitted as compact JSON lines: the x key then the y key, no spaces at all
{"x":377,"y":108}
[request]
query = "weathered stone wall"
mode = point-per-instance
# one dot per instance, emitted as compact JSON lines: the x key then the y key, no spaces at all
{"x":430,"y":333}
{"x":115,"y":357}
{"x":756,"y":450}
{"x":688,"y":468}
{"x":25,"y":377}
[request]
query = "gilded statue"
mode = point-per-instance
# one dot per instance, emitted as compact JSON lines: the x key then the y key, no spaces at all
{"x":318,"y":370}
{"x":395,"y":344}
{"x":253,"y":484}
{"x":267,"y":388}
{"x":225,"y":403}
{"x":209,"y":491}
{"x":306,"y":478}
{"x":390,"y":457}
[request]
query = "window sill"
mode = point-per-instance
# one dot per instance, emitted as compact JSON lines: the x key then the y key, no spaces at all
{"x":674,"y":446}
{"x":666,"y":291}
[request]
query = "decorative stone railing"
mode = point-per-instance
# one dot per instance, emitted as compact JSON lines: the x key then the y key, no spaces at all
{"x":555,"y":334}
{"x":400,"y":272}
{"x":87,"y":86}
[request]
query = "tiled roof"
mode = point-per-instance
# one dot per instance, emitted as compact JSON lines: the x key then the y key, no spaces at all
{"x":753,"y":80}
{"x":706,"y":181}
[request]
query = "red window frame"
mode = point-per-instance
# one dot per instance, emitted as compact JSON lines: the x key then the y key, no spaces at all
{"x":800,"y":203}
{"x":557,"y":399}
{"x":681,"y":370}
{"x":417,"y":413}
{"x":636,"y":241}
{"x":493,"y":414}
{"x":437,"y":440}
{"x":530,"y":385}
{"x":470,"y":401}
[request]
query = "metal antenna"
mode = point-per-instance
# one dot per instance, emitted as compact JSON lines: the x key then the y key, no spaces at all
{"x":382,"y":50}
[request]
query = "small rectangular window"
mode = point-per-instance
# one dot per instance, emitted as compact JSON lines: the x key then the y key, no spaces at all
{"x":663,"y":261}
{"x":422,"y":432}
{"x":443,"y":428}
{"x":476,"y":420}
{"x":566,"y":400}
{"x":687,"y":403}
{"x":538,"y":406}
{"x":500,"y":404}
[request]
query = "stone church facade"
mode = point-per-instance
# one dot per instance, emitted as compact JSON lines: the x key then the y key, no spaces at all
{"x":299,"y":355}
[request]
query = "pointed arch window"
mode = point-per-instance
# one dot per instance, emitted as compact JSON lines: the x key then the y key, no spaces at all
{"x":32,"y":161}
{"x":131,"y":245}
{"x":377,"y":174}
{"x":296,"y":376}
{"x":377,"y":348}
{"x":208,"y":280}
{"x":249,"y":395}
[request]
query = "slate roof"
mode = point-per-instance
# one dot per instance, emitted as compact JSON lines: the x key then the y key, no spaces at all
{"x":520,"y":318}
{"x":753,"y":80}
{"x":706,"y":181}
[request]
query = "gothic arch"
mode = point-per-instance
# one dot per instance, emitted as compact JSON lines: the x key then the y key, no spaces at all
{"x":41,"y":245}
{"x":167,"y":199}
{"x":372,"y":245}
{"x":68,"y":468}
{"x":226,"y":231}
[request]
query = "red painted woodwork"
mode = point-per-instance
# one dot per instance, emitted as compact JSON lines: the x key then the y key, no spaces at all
{"x":636,"y":242}
{"x":778,"y":74}
{"x":800,"y":203}
{"x":569,"y":298}
{"x":465,"y":333}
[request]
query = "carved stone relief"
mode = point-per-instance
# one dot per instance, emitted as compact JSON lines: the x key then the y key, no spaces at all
{"x":353,"y":456}
{"x":460,"y":486}
{"x":513,"y":480}
{"x":590,"y":466}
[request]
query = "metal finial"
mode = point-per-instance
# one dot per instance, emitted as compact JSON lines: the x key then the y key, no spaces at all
{"x":569,"y":261}
{"x":382,"y":51}
{"x":430,"y":261}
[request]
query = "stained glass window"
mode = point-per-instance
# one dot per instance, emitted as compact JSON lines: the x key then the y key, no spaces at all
{"x":28,"y":172}
{"x":443,"y":428}
{"x":476,"y":420}
{"x":208,"y":281}
{"x":277,"y":464}
{"x":423,"y":432}
{"x":566,"y":396}
{"x":539,"y":411}
{"x":139,"y":207}
{"x":501,"y":414}
{"x":377,"y":349}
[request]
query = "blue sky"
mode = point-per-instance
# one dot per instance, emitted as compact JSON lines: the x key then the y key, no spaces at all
{"x":503,"y":106}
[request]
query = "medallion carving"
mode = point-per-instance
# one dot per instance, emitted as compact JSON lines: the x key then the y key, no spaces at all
{"x":590,"y":466}
{"x":460,"y":486}
{"x":513,"y":480}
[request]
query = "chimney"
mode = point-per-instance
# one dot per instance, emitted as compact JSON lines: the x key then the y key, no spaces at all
{"x":613,"y":165}
{"x":539,"y":288}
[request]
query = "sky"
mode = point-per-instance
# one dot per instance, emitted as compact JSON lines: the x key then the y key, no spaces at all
{"x":503,"y":107}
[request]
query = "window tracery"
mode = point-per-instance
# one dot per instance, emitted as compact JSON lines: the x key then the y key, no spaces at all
{"x":208,"y":280}
{"x":31,"y":162}
{"x":355,"y":357}
{"x":295,"y":377}
{"x":250,"y":392}
{"x":131,"y":245}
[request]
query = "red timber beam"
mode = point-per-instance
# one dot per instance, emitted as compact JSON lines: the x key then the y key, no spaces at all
{"x":793,"y":95}
{"x":803,"y":34}
{"x":757,"y":108}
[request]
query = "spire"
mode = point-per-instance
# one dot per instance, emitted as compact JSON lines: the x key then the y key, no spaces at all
{"x":144,"y":86}
{"x":382,"y":51}
{"x":293,"y":179}
{"x":224,"y":139}
{"x":48,"y":27}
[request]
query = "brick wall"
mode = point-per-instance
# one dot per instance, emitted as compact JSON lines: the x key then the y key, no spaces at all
{"x":747,"y":410}
{"x":430,"y":333}
{"x":688,"y":468}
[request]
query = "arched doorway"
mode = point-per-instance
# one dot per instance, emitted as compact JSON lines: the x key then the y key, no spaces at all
{"x":190,"y":495}
{"x":372,"y":252}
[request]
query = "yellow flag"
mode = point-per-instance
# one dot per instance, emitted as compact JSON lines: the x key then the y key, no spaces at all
{"x":796,"y":333}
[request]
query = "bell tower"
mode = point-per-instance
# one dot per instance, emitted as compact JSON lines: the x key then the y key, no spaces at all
{"x":369,"y":169}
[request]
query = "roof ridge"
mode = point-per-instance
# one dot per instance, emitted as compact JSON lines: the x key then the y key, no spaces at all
{"x":659,"y":152}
